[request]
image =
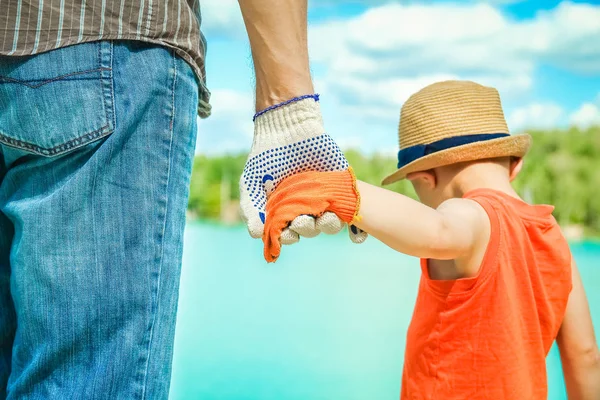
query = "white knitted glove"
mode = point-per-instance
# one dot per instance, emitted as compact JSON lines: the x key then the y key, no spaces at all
{"x":288,"y":140}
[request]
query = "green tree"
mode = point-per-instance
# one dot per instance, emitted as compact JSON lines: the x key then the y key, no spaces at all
{"x":561,"y":169}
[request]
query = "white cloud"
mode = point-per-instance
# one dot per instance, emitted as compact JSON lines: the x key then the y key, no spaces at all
{"x":316,"y":4}
{"x":425,"y":39}
{"x":549,"y":115}
{"x":535,"y":116}
{"x":368,"y":65}
{"x":350,"y":142}
{"x":382,"y":56}
{"x":587,"y":115}
{"x":379,"y":99}
{"x":222,"y":18}
{"x":568,"y":37}
{"x":502,"y":2}
{"x":230,"y":127}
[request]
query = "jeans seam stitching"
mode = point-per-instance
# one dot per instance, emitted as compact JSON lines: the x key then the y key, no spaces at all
{"x":47,"y":81}
{"x":112,"y":87}
{"x":107,"y":98}
{"x":103,"y":131}
{"x":157,"y":292}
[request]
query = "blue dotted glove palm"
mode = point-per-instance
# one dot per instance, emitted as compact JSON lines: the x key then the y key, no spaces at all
{"x":288,"y":140}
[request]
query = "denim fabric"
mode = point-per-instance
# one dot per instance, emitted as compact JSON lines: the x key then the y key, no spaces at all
{"x":96,"y":148}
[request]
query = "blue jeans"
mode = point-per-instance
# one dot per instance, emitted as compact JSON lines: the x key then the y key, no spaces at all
{"x":96,"y":148}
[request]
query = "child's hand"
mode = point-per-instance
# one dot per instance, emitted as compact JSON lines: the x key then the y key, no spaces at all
{"x":308,"y":193}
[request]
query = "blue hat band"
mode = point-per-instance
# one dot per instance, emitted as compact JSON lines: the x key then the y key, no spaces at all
{"x":413,"y":153}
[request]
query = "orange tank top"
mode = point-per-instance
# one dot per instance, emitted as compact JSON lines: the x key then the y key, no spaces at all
{"x":487,"y":337}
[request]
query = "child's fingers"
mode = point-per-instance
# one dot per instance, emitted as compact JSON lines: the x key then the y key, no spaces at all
{"x":329,"y":223}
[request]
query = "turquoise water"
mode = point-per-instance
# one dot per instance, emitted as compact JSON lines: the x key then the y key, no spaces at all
{"x":327,"y":321}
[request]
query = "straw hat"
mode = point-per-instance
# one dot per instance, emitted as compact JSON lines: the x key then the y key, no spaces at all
{"x":451,"y":122}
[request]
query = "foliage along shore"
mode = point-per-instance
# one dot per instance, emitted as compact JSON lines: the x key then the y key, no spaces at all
{"x":562,"y":169}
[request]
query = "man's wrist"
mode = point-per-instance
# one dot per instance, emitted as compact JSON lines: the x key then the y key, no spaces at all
{"x":290,"y":78}
{"x":288,"y":123}
{"x":315,"y":97}
{"x":266,"y":97}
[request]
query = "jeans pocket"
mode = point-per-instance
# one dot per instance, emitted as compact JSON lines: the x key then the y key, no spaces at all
{"x":55,"y":102}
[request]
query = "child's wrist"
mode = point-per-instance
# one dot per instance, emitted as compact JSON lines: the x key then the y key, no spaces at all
{"x":346,"y":197}
{"x":356,"y":218}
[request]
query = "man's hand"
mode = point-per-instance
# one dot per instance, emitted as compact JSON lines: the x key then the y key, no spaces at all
{"x":289,"y":140}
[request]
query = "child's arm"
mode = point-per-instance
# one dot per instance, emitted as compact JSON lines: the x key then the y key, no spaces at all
{"x":456,"y":230}
{"x":449,"y":232}
{"x":578,"y":348}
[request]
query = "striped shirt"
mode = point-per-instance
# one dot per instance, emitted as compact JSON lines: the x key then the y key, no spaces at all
{"x":35,"y":26}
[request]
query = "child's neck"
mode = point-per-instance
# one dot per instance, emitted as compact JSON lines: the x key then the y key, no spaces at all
{"x":488,"y":176}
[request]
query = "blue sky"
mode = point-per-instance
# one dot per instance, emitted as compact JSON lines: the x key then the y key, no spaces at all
{"x":367,"y":57}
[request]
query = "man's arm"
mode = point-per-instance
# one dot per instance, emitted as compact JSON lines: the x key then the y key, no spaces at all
{"x":577,"y":344}
{"x":452,"y":231}
{"x":277,"y":30}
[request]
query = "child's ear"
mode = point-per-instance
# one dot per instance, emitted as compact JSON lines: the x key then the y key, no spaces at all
{"x":424,"y":178}
{"x":515,"y":167}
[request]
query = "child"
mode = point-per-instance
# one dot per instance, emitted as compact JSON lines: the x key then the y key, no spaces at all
{"x":498,"y":282}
